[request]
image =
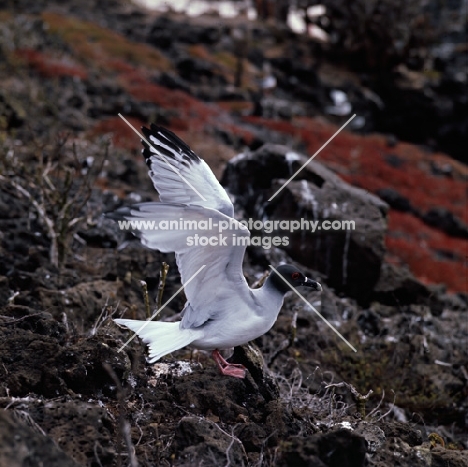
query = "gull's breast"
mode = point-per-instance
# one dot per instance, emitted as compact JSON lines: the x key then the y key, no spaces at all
{"x":230,"y":330}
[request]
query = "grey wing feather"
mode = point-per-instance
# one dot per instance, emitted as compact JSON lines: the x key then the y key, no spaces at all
{"x":179,"y":175}
{"x":220,"y":261}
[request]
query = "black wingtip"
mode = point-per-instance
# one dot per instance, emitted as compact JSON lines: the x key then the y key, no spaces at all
{"x":167,"y":143}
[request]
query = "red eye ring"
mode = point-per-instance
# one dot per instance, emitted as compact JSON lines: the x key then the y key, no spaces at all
{"x":295,"y":275}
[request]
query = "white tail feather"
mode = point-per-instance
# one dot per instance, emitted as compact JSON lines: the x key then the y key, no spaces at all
{"x":162,"y":338}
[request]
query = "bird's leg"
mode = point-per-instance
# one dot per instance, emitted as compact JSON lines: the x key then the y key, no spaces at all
{"x":226,"y":368}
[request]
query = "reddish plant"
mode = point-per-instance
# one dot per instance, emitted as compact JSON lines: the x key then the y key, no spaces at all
{"x":430,"y":253}
{"x":122,"y":135}
{"x":50,"y":67}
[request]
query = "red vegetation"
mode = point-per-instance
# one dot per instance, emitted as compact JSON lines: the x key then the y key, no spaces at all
{"x":183,"y":109}
{"x":122,"y":135}
{"x":400,"y":222}
{"x":50,"y":67}
{"x":119,"y":65}
{"x":418,"y":245}
{"x":236,"y":107}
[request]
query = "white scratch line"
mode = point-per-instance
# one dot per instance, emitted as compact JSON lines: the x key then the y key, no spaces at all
{"x":161,"y":309}
{"x":305,"y":163}
{"x":307,"y":303}
{"x":162,"y":156}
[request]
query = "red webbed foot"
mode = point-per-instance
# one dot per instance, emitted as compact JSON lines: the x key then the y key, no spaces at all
{"x":226,"y":368}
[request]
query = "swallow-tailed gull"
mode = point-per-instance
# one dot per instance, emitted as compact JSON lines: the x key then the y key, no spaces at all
{"x":222,"y":311}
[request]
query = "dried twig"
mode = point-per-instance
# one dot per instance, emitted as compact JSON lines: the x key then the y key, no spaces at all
{"x":49,"y":225}
{"x":162,"y":283}
{"x":144,"y":286}
{"x":57,"y":190}
{"x":375,"y":409}
{"x":358,"y":397}
{"x":392,"y":405}
{"x":107,"y":311}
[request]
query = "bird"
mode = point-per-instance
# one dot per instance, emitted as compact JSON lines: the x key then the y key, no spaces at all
{"x":221,"y":311}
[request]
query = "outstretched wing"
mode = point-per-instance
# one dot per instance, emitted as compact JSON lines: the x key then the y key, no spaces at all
{"x":216,"y":260}
{"x":179,"y":175}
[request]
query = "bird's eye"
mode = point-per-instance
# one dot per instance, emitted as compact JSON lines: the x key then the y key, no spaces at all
{"x":295,"y":275}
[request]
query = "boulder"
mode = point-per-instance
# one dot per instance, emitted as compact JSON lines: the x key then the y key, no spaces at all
{"x":197,"y":439}
{"x":24,"y":443}
{"x":337,"y":448}
{"x":397,"y":286}
{"x":350,"y":259}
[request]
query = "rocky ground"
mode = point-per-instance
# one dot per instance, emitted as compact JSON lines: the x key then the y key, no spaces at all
{"x":395,"y":287}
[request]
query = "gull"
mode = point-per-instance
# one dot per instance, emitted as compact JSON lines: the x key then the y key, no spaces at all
{"x":195,"y":219}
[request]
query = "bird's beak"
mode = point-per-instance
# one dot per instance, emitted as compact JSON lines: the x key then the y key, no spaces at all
{"x":312,"y":284}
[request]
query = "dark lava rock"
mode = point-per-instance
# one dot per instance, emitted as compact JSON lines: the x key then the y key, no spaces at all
{"x":446,"y":457}
{"x":85,"y":296}
{"x":198,"y":439}
{"x":340,"y":448}
{"x":373,"y":434}
{"x":369,"y":322}
{"x":397,"y":286}
{"x":84,"y":431}
{"x":302,"y":81}
{"x":429,"y":115}
{"x":252,"y":436}
{"x":100,"y":237}
{"x":88,"y":437}
{"x":404,"y":431}
{"x":42,"y":357}
{"x":12,"y":113}
{"x":23,"y":444}
{"x":83,"y":366}
{"x":5,"y":292}
{"x":173,"y":81}
{"x":26,"y":354}
{"x":351,"y":259}
{"x":251,"y":357}
{"x":229,"y":399}
{"x":395,"y":200}
{"x":196,"y":70}
{"x":444,"y":220}
{"x":165,"y":32}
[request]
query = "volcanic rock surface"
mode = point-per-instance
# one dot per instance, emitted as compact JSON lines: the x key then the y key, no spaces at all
{"x":395,"y":287}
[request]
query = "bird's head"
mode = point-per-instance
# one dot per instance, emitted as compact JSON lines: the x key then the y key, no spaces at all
{"x":287,"y":276}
